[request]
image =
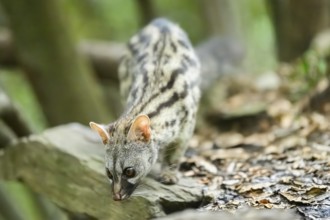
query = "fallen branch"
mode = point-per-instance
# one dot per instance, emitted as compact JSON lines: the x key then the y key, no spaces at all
{"x":218,"y":56}
{"x":104,"y":57}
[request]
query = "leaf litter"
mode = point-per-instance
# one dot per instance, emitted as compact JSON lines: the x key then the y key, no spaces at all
{"x":270,"y":157}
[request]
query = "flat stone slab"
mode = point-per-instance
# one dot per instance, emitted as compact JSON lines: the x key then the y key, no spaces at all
{"x":65,"y":164}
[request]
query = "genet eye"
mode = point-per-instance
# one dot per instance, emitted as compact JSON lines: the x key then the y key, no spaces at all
{"x":129,"y":172}
{"x":109,"y":174}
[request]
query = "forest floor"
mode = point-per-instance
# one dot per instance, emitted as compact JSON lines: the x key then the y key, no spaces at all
{"x":272,"y":156}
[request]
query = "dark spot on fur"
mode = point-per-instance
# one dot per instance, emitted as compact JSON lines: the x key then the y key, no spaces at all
{"x":173,"y":46}
{"x":175,"y":97}
{"x":183,"y":44}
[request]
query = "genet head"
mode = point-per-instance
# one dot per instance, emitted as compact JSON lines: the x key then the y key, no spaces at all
{"x":129,"y":155}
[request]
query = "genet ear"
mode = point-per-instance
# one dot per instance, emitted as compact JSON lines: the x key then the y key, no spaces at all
{"x":101,"y":130}
{"x":140,"y":129}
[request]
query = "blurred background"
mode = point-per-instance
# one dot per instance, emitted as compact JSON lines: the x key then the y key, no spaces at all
{"x":59,"y":59}
{"x":43,"y":74}
{"x":59,"y":53}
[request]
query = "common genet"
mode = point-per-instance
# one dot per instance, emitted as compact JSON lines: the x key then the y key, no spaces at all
{"x":159,"y":79}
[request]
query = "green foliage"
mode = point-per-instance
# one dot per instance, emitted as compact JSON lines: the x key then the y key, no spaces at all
{"x":306,"y":72}
{"x":309,"y":70}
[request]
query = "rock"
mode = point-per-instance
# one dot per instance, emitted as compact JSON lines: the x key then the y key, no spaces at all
{"x":268,"y":81}
{"x":65,"y":164}
{"x":219,"y":56}
{"x":247,"y":214}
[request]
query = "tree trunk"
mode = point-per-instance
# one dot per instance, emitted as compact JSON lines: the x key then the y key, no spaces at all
{"x":146,"y":11}
{"x":46,"y":51}
{"x":221,"y":17}
{"x":295,"y":23}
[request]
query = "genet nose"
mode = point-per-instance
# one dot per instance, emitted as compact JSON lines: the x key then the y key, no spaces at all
{"x":116,"y":196}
